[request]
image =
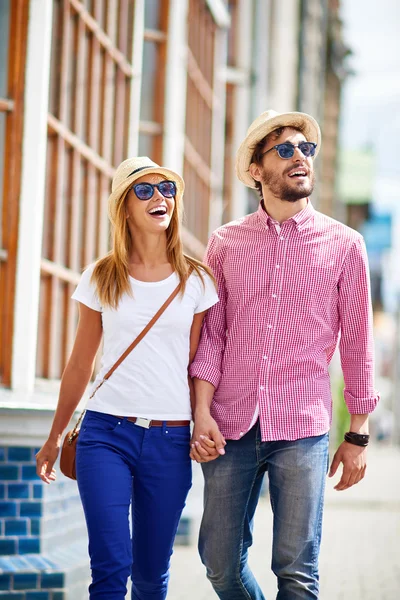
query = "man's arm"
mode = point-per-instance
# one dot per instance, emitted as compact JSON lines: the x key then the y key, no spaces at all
{"x":207,"y":441}
{"x":357,"y":359}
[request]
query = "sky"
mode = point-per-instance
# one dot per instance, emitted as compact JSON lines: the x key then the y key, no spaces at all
{"x":371,"y":110}
{"x":371,"y":98}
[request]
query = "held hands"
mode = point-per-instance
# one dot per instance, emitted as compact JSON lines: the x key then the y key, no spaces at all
{"x":354,"y":459}
{"x":207,"y":442}
{"x":45,"y":459}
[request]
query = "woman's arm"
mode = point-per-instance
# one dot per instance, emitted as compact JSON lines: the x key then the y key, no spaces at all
{"x":73,"y":384}
{"x":194,"y":342}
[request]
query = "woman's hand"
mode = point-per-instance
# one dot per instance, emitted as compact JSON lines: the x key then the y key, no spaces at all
{"x":207,"y":442}
{"x":45,"y":459}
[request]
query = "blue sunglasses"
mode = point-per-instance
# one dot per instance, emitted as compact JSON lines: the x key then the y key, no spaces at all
{"x":145,"y":191}
{"x":286,"y":150}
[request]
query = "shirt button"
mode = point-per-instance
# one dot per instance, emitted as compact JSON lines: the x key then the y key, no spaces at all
{"x":278,"y":266}
{"x":274,"y":296}
{"x":262,"y":387}
{"x":241,"y":433}
{"x":282,"y":238}
{"x":269,"y":326}
{"x":265,"y":357}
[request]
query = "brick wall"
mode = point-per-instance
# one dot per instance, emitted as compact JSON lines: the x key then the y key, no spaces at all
{"x":43,"y":542}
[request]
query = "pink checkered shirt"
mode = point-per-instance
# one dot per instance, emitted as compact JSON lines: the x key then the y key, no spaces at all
{"x":284,"y":298}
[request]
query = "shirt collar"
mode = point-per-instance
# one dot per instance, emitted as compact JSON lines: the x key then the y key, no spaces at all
{"x":301,"y":219}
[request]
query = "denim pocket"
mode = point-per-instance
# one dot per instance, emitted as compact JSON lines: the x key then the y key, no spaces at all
{"x":178,"y":436}
{"x":96,"y":421}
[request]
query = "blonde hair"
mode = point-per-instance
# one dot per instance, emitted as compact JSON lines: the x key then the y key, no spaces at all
{"x":111,"y":275}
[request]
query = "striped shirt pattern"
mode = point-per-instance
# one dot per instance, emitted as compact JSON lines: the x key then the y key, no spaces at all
{"x":285,"y":295}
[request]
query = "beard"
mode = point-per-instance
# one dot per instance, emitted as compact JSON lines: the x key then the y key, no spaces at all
{"x":284,"y":190}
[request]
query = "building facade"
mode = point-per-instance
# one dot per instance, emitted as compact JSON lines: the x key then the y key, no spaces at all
{"x":83,"y":85}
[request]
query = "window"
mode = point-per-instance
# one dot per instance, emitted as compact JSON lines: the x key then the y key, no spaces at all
{"x":153,"y":80}
{"x":13,"y":32}
{"x":88,"y":126}
{"x":200,"y":103}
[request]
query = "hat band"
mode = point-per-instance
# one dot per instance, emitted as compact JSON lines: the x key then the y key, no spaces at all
{"x":140,"y":169}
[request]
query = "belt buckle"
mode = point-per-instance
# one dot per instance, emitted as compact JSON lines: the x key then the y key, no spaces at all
{"x":142,"y":422}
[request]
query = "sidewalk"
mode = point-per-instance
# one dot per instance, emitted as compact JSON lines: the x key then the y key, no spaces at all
{"x":360,"y":555}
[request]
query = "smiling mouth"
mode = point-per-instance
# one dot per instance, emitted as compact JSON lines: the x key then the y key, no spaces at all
{"x":299,"y":174}
{"x":159,"y":211}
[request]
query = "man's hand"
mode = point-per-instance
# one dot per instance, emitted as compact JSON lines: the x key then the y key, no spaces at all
{"x":207,"y":442}
{"x":354,"y":459}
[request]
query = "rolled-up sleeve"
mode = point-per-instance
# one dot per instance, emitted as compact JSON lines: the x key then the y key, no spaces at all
{"x":208,"y":360}
{"x":356,"y":324}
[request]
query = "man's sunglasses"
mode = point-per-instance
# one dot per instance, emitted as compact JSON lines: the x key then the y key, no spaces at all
{"x":145,"y":191}
{"x":286,"y":150}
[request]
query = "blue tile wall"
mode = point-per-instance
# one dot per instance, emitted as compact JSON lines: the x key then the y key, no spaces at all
{"x":5,"y":582}
{"x":28,"y":545}
{"x":8,"y":509}
{"x":52,"y":580}
{"x":21,"y":502}
{"x":31,"y":509}
{"x":19,"y":454}
{"x":35,"y":526}
{"x":26,"y":581}
{"x":8,"y":546}
{"x":28,"y":473}
{"x":18,"y":490}
{"x":37,"y":489}
{"x":25,"y":572}
{"x":16,"y":527}
{"x":9,"y":472}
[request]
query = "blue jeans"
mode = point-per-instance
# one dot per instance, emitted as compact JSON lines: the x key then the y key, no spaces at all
{"x":296,"y":472}
{"x":119,"y":464}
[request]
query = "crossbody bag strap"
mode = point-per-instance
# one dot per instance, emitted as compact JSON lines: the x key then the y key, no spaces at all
{"x":138,"y":339}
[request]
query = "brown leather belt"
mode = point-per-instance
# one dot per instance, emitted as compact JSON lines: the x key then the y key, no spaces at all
{"x":146,"y":423}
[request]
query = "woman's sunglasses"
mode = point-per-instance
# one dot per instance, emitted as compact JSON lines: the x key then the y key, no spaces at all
{"x":145,"y":191}
{"x":286,"y":150}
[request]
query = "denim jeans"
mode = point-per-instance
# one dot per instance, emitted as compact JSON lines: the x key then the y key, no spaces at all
{"x":296,"y":472}
{"x":120,"y":464}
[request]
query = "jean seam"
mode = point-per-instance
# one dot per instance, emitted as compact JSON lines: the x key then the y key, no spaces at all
{"x":241,"y":541}
{"x":317,"y":540}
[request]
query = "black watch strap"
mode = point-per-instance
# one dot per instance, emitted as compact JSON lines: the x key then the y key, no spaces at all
{"x":358,"y":439}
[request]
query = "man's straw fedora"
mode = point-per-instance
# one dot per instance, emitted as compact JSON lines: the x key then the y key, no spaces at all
{"x":262,"y":126}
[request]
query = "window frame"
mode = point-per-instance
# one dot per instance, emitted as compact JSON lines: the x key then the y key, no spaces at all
{"x":13,"y":107}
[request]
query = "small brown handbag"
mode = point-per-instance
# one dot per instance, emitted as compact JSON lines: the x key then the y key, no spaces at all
{"x":68,"y":450}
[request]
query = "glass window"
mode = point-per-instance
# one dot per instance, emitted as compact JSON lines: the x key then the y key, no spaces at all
{"x":149,"y":81}
{"x":146,"y":145}
{"x":4,"y":38}
{"x":2,"y":136}
{"x":152,"y":14}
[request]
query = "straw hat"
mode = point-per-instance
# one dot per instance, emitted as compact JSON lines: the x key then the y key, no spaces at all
{"x":130,"y":170}
{"x":262,"y":126}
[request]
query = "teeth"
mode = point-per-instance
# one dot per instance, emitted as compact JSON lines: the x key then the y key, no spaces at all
{"x":160,"y":209}
{"x":297,"y":173}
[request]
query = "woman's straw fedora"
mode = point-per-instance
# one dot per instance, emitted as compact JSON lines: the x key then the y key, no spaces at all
{"x":130,"y":170}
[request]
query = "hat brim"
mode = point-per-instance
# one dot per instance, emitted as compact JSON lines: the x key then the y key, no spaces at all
{"x":129,"y":181}
{"x":306,"y":123}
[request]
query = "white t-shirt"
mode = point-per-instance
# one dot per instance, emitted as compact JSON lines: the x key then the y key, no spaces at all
{"x":152,"y":381}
